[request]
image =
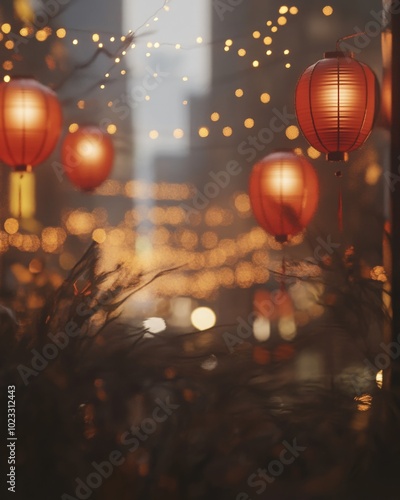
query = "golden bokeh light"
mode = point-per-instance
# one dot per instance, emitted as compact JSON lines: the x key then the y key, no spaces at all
{"x":11,"y":225}
{"x":292,"y":132}
{"x":265,"y":98}
{"x":327,"y":10}
{"x":204,"y":132}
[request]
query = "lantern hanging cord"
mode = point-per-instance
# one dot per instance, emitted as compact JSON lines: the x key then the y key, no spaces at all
{"x":347,"y":37}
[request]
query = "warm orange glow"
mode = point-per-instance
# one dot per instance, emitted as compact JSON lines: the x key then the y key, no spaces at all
{"x":22,"y":194}
{"x":283,"y":193}
{"x":30,"y":122}
{"x":203,"y":132}
{"x":265,"y":98}
{"x":87,"y":156}
{"x":386,"y":85}
{"x":335,"y":104}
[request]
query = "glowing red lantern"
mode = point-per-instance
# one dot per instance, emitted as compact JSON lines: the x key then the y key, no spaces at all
{"x":30,"y":122}
{"x":87,"y":157}
{"x":284,"y":193}
{"x":335,"y":104}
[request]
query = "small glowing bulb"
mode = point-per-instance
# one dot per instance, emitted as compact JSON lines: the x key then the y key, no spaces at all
{"x":292,"y":132}
{"x":75,"y":41}
{"x":112,"y":129}
{"x":327,"y":10}
{"x":256,"y":34}
{"x":6,"y":28}
{"x":265,"y":98}
{"x":241,"y":52}
{"x":73,"y":127}
{"x":178,"y":133}
{"x":239,"y":93}
{"x":203,"y":318}
{"x":154,"y":134}
{"x":95,"y":37}
{"x":203,"y":132}
{"x":215,"y":117}
{"x":256,"y":64}
{"x":227,"y":131}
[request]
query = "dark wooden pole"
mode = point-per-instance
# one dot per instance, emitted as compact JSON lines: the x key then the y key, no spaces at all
{"x":395,"y":193}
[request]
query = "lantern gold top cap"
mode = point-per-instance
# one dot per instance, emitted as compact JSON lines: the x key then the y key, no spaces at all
{"x":338,"y":53}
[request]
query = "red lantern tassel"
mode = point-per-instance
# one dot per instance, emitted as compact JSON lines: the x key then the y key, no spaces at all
{"x":20,"y":177}
{"x":283,"y":273}
{"x":340,"y":210}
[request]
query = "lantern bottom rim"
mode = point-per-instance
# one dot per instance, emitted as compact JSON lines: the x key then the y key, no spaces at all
{"x":337,"y":156}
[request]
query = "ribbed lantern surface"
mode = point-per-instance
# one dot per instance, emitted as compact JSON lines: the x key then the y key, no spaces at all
{"x":335,"y":104}
{"x":30,"y":122}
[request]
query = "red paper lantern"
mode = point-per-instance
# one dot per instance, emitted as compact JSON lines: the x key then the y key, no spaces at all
{"x":87,"y":156}
{"x":30,"y":122}
{"x":284,"y":193}
{"x":335,"y":104}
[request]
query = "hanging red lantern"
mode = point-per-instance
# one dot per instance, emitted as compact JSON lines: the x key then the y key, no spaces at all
{"x":30,"y":123}
{"x":335,"y":104}
{"x":284,"y":193}
{"x":87,"y":157}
